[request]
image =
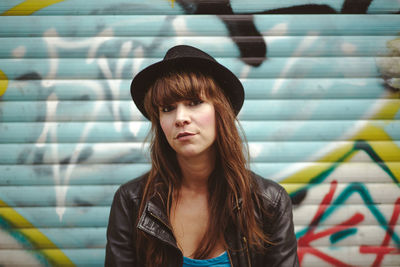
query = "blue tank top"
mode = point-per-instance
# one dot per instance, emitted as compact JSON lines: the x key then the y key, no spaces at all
{"x":220,"y":261}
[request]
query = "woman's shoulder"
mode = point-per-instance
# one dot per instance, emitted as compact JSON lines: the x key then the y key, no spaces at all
{"x":133,"y":189}
{"x":273,"y":194}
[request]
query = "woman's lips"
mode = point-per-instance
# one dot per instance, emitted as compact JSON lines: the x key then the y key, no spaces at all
{"x":184,"y":135}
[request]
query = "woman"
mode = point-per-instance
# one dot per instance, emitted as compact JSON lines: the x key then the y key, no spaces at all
{"x":199,"y":205}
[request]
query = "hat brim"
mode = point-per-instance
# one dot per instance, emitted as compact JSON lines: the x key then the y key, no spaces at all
{"x":228,"y":81}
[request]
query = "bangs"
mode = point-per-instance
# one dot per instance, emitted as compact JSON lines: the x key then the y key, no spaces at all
{"x":180,"y":86}
{"x":176,"y":87}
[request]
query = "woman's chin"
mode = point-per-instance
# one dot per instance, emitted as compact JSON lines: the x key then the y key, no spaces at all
{"x":193,"y":153}
{"x":188,"y":154}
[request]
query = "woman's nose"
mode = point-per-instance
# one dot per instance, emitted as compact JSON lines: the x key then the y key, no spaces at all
{"x":182,"y":115}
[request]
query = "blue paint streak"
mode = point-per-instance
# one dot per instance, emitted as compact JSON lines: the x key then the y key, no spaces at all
{"x":336,"y":237}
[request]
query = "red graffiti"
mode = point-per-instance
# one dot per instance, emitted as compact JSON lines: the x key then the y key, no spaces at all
{"x":383,"y":249}
{"x":304,"y":242}
{"x":304,"y":246}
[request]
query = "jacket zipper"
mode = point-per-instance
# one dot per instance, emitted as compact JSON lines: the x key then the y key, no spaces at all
{"x":247,"y":251}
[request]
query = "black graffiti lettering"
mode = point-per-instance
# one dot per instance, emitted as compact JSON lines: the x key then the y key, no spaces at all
{"x":301,"y":9}
{"x":253,"y":51}
{"x":29,"y":76}
{"x":356,"y":6}
{"x":298,"y":196}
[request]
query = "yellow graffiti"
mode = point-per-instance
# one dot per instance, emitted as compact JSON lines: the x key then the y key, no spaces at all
{"x":13,"y":217}
{"x":3,"y":83}
{"x":305,"y":175}
{"x":57,"y":257}
{"x":37,"y":238}
{"x":382,"y":145}
{"x":29,"y":7}
{"x":386,"y":150}
{"x":390,"y":110}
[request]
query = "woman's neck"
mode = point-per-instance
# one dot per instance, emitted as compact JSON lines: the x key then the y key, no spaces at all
{"x":196,"y":171}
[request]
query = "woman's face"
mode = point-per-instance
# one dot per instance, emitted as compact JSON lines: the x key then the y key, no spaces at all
{"x":189,"y":127}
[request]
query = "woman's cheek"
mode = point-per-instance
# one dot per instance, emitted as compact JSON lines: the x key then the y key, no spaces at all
{"x":166,"y":126}
{"x":208,"y":118}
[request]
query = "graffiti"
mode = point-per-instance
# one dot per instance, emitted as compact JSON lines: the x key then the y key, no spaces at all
{"x":356,"y":7}
{"x":225,"y":7}
{"x":252,"y":46}
{"x":347,"y":228}
{"x":253,"y":49}
{"x":30,"y":238}
{"x":383,"y":249}
{"x":321,"y":115}
{"x":3,"y":83}
{"x":305,"y":240}
{"x":28,"y":7}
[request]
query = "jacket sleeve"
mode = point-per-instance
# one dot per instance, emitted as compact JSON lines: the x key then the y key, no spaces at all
{"x":120,"y":248}
{"x":284,"y":250}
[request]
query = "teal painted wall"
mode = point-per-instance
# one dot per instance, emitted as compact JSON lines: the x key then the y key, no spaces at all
{"x":321,"y":115}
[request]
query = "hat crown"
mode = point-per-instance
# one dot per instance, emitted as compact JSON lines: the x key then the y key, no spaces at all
{"x":185,"y":57}
{"x":181,"y":51}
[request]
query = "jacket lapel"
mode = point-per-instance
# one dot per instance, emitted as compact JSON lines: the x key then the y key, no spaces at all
{"x":155,"y":222}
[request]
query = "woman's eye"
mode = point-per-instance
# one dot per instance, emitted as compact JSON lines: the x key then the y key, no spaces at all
{"x":195,"y":102}
{"x":166,"y":108}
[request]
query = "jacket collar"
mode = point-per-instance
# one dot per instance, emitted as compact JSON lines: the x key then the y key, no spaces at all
{"x":154,"y":221}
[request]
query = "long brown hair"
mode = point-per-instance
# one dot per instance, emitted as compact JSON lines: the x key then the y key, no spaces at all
{"x":230,"y":181}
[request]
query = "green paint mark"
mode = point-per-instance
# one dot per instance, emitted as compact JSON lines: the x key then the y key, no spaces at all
{"x":336,"y":237}
{"x":363,"y":145}
{"x":17,"y":235}
{"x":4,"y":224}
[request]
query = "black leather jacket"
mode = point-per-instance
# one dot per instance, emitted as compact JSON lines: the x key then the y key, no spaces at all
{"x":120,"y":250}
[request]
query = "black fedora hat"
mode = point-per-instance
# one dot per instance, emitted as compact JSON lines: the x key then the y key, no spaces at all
{"x":187,"y":57}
